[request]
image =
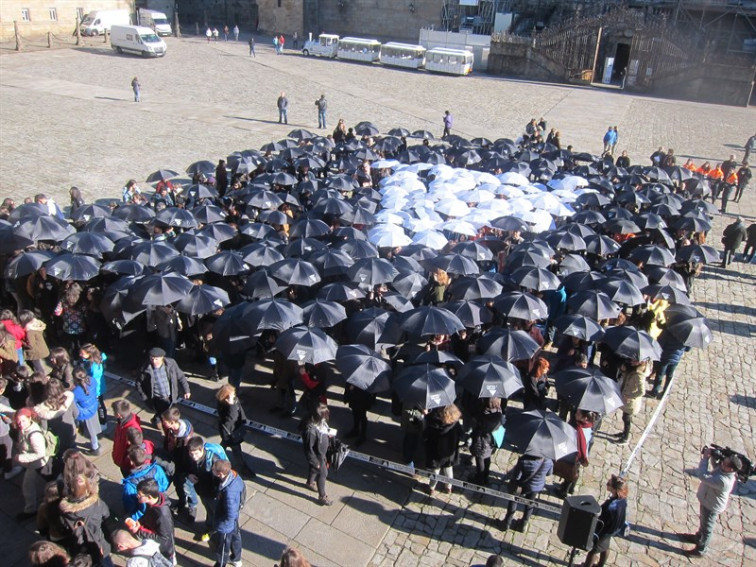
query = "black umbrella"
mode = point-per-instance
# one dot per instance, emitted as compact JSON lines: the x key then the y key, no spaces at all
{"x":308,"y":228}
{"x":601,"y":245}
{"x":184,"y":265}
{"x":632,"y":343}
{"x":231,"y":333}
{"x":220,"y":231}
{"x":582,"y":281}
{"x":340,"y":292}
{"x":374,"y":328}
{"x":521,"y":305}
{"x":474,"y":288}
{"x":489,"y":377}
{"x":28,"y":211}
{"x":202,"y":166}
{"x":425,"y":386}
{"x":227,"y":263}
{"x":583,"y":328}
{"x":473,"y":250}
{"x":621,"y":226}
{"x":263,"y":199}
{"x":698,"y":253}
{"x":90,"y":211}
{"x":330,"y":262}
{"x":438,"y":358}
{"x":594,"y":304}
{"x":128,"y":267}
{"x":652,"y":255}
{"x":302,"y":247}
{"x":363,"y":368}
{"x":666,"y":276}
{"x":372,"y":271}
{"x":693,"y":223}
{"x":430,"y":320}
{"x":203,"y":299}
{"x":687,"y":326}
{"x":196,"y":245}
{"x":409,"y":285}
{"x":115,"y":306}
{"x":454,"y":264}
{"x":43,"y":227}
{"x":306,"y":345}
{"x":134,"y":213}
{"x":572,"y":263}
{"x":273,"y":314}
{"x":180,"y":218}
{"x":510,"y":223}
{"x":261,"y":285}
{"x":667,"y":292}
{"x":258,"y":231}
{"x":508,"y":344}
{"x":621,"y":291}
{"x":470,"y":312}
{"x":160,"y":289}
{"x":294,"y":271}
{"x":530,"y":258}
{"x":76,"y":267}
{"x":539,"y":279}
{"x":323,"y":313}
{"x":359,"y":249}
{"x":152,"y":253}
{"x":89,"y":243}
{"x":161,"y":175}
{"x":589,"y":389}
{"x":541,"y":434}
{"x":565,"y":240}
{"x":27,"y":263}
{"x":113,"y":228}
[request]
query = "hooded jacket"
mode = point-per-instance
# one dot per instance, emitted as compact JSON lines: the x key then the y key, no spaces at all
{"x":83,"y":520}
{"x":228,"y":503}
{"x":131,"y":506}
{"x":37,"y":347}
{"x":121,"y":440}
{"x":157,"y":524}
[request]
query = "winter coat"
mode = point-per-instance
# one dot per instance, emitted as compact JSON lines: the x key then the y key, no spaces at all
{"x":16,"y":330}
{"x":8,"y":350}
{"x":30,"y":447}
{"x":734,"y":235}
{"x":231,"y":421}
{"x":228,"y":503}
{"x":441,"y":441}
{"x":482,"y":439}
{"x":63,"y":373}
{"x":96,"y":370}
{"x":61,"y":421}
{"x":37,"y":347}
{"x":157,"y":524}
{"x":175,"y":375}
{"x":315,"y":443}
{"x":131,"y":506}
{"x":83,"y":520}
{"x":530,"y":473}
{"x":203,"y":469}
{"x":86,"y":402}
{"x":633,"y":388}
{"x":612,"y":518}
{"x":121,"y":440}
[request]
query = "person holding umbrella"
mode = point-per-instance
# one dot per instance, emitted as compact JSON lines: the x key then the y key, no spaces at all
{"x":482,"y":446}
{"x":159,"y":383}
{"x":672,"y":353}
{"x":569,"y":468}
{"x":529,"y":477}
{"x":633,"y":376}
{"x":315,"y":440}
{"x":611,"y":521}
{"x":360,"y":402}
{"x":442,"y":435}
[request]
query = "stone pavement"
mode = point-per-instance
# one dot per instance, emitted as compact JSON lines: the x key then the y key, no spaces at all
{"x":67,"y":118}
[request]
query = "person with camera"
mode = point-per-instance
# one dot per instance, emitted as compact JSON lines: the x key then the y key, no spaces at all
{"x":713,"y":495}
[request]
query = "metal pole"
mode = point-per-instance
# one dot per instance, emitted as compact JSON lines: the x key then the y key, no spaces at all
{"x":17,"y":35}
{"x":596,"y":53}
{"x":78,"y":30}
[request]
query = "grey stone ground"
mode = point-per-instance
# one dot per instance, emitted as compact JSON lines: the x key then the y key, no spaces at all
{"x":67,"y":118}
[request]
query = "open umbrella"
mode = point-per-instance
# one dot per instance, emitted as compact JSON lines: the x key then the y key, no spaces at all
{"x":490,"y":376}
{"x":508,"y":344}
{"x":306,"y":345}
{"x":632,"y":343}
{"x":438,"y":358}
{"x":539,"y":279}
{"x":203,"y":299}
{"x":594,"y":304}
{"x":578,"y":326}
{"x":160,"y":289}
{"x":409,"y":285}
{"x":652,"y":255}
{"x":621,"y":291}
{"x":76,"y":267}
{"x":227,"y":263}
{"x":322,"y":313}
{"x":589,"y":389}
{"x":90,"y":243}
{"x":152,"y":253}
{"x":273,"y":314}
{"x":196,"y":245}
{"x":261,"y":285}
{"x":425,"y":386}
{"x":374,"y":328}
{"x":26,"y":263}
{"x":294,"y":271}
{"x":115,"y":306}
{"x":687,"y":326}
{"x":340,"y":292}
{"x":128,"y":267}
{"x":470,"y":312}
{"x":161,"y":175}
{"x":667,"y":292}
{"x":134,"y":213}
{"x":698,"y":253}
{"x":521,"y":305}
{"x":43,"y":227}
{"x":364,"y":368}
{"x":231,"y":333}
{"x":474,"y":288}
{"x":540,"y":434}
{"x":90,"y":211}
{"x":430,"y":320}
{"x":454,"y":264}
{"x":372,"y":271}
{"x":184,"y":265}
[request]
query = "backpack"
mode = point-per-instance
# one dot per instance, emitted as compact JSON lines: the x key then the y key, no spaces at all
{"x":158,"y":560}
{"x":51,"y":442}
{"x":217,"y":450}
{"x":624,"y":530}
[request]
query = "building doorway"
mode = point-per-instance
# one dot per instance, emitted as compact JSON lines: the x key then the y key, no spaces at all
{"x":621,"y":60}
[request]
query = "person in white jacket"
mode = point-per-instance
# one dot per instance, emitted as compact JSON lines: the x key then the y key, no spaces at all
{"x":144,"y":553}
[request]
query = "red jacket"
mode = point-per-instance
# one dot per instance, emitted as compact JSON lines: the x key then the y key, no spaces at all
{"x":121,"y":440}
{"x":18,"y":332}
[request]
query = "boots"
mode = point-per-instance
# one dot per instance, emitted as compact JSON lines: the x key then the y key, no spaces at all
{"x":625,"y":435}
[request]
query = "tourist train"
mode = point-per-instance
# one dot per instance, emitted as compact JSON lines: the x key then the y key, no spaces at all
{"x":437,"y":59}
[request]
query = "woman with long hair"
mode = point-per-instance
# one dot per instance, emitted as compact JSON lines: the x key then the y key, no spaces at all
{"x":59,"y":412}
{"x":82,"y":513}
{"x":315,"y":440}
{"x":487,"y":420}
{"x":61,"y":367}
{"x":611,"y":521}
{"x":442,"y":435}
{"x":85,"y":398}
{"x":31,"y":453}
{"x":93,"y":362}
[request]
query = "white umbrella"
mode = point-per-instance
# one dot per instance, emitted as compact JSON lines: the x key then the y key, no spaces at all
{"x":459,"y":227}
{"x":483,"y":177}
{"x":520,"y":205}
{"x":513,"y":178}
{"x":453,"y":208}
{"x":430,"y":238}
{"x":571,"y":182}
{"x":385,"y":164}
{"x":388,"y":216}
{"x":500,"y":206}
{"x":509,"y":191}
{"x":476,"y":195}
{"x":389,"y":236}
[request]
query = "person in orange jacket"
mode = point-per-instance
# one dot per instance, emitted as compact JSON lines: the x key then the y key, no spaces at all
{"x":704,"y":169}
{"x":690,"y":166}
{"x":716,"y":176}
{"x":728,"y":188}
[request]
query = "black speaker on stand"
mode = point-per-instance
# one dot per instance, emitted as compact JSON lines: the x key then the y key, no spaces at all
{"x":577,"y":524}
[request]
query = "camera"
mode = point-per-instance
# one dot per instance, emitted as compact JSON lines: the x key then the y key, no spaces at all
{"x":719,"y":453}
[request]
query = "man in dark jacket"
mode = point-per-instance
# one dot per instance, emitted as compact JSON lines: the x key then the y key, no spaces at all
{"x":157,"y":522}
{"x":529,"y":475}
{"x":732,"y":237}
{"x":228,"y":504}
{"x":159,"y":382}
{"x":744,"y":178}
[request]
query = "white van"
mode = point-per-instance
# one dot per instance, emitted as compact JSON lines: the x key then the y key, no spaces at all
{"x":100,"y":21}
{"x":155,"y":20}
{"x":325,"y":46}
{"x":136,"y":39}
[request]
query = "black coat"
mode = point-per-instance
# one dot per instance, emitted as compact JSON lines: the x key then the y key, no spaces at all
{"x":315,"y":444}
{"x":157,"y":524}
{"x":175,"y":375}
{"x":231,"y":421}
{"x":483,"y":444}
{"x":83,"y":520}
{"x":734,"y":235}
{"x":441,"y":442}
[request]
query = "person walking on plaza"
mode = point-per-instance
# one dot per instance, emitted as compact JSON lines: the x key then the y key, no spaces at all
{"x":225,"y":32}
{"x":281,"y":44}
{"x":528,"y":476}
{"x":750,"y":246}
{"x":137,"y":88}
{"x":713,"y":496}
{"x":611,"y":521}
{"x":732,"y":237}
{"x":322,"y":105}
{"x":729,"y":188}
{"x":750,"y":146}
{"x":744,"y":178}
{"x":632,"y":382}
{"x":442,"y":435}
{"x":614,"y":141}
{"x":252,"y":47}
{"x":236,"y":32}
{"x":216,"y":34}
{"x":208,"y":34}
{"x":228,"y":505}
{"x":315,"y":441}
{"x":295,"y":40}
{"x":448,"y":120}
{"x":159,"y":383}
{"x":610,"y":140}
{"x":283,"y":108}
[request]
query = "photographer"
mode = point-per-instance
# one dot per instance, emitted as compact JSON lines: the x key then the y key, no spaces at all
{"x":713,"y":496}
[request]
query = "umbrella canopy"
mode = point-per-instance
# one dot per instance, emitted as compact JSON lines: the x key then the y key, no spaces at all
{"x":430,"y":320}
{"x":130,"y":268}
{"x":409,"y":285}
{"x":203,"y":299}
{"x":273,"y":314}
{"x":687,"y":326}
{"x":698,"y":253}
{"x":227,"y":263}
{"x":374,"y":328}
{"x":173,"y":216}
{"x":230,"y":331}
{"x":340,"y":292}
{"x":652,"y":255}
{"x":454,"y":264}
{"x":372,"y":271}
{"x":323,"y":313}
{"x":43,"y":227}
{"x":471,"y":313}
{"x":306,"y":345}
{"x":364,"y":368}
{"x":425,"y":386}
{"x":632,"y":343}
{"x":160,"y":289}
{"x":489,"y":377}
{"x":521,"y":305}
{"x":474,"y":288}
{"x":90,"y":243}
{"x":152,"y":253}
{"x":508,"y":344}
{"x":437,"y":357}
{"x":589,"y":389}
{"x":621,"y":291}
{"x":581,"y":327}
{"x":294,"y":271}
{"x":667,"y":292}
{"x":539,"y":279}
{"x":76,"y":267}
{"x":184,"y":265}
{"x":261,"y":285}
{"x":26,"y":263}
{"x":594,"y":304}
{"x":90,"y":211}
{"x":540,"y":434}
{"x":134,"y":213}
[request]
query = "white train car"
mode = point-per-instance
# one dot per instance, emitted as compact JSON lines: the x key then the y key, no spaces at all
{"x":403,"y":55}
{"x":450,"y":61}
{"x":359,"y":49}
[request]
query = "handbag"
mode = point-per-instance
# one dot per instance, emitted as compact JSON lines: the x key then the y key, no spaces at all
{"x":498,"y":436}
{"x":566,"y":470}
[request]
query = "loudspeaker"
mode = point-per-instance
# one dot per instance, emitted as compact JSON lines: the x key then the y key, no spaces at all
{"x":578,"y":521}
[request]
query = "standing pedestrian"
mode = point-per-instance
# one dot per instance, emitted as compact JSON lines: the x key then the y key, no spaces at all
{"x":85,"y":398}
{"x":236,"y":32}
{"x":283,"y":108}
{"x":448,"y":120}
{"x":228,"y":505}
{"x":732,"y":237}
{"x":252,"y":47}
{"x":208,"y":34}
{"x":713,"y":496}
{"x":225,"y":32}
{"x":528,"y":476}
{"x":157,"y":521}
{"x":611,"y":521}
{"x":232,"y":424}
{"x":137,"y":88}
{"x":322,"y":105}
{"x":750,"y":247}
{"x":159,"y":383}
{"x":315,"y":440}
{"x":275,"y":43}
{"x":614,"y":140}
{"x":442,"y":435}
{"x":215,"y":34}
{"x":632,"y":382}
{"x":221,"y":178}
{"x":750,"y":146}
{"x":744,"y":178}
{"x":295,"y":39}
{"x":281,"y":44}
{"x":609,"y":140}
{"x":729,"y":188}
{"x":487,"y":420}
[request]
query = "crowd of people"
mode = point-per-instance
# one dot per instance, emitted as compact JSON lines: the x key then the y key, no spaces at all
{"x":310,"y":237}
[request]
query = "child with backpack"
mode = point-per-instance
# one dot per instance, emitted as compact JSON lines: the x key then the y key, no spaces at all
{"x":125,"y":420}
{"x":199,"y":483}
{"x":143,"y":469}
{"x":157,"y":522}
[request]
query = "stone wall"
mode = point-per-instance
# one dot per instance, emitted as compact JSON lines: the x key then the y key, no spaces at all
{"x":718,"y":84}
{"x":41,"y":22}
{"x":518,"y":59}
